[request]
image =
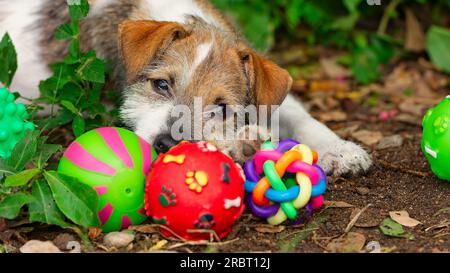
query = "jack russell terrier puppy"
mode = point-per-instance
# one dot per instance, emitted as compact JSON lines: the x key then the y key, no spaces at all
{"x":166,"y":53}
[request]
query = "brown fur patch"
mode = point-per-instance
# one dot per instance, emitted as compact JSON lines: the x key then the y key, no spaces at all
{"x":271,"y":83}
{"x":141,"y":41}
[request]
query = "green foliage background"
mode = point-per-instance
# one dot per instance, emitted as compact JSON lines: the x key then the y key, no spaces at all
{"x":354,"y":25}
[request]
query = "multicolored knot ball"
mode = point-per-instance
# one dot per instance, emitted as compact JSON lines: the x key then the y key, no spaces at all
{"x":12,"y":123}
{"x":194,"y":188}
{"x":436,"y":138}
{"x":115,"y":162}
{"x":283,"y":179}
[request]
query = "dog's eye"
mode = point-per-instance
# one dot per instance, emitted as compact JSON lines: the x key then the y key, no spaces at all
{"x":161,"y":86}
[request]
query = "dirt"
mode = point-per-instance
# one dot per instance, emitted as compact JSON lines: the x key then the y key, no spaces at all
{"x":399,"y":180}
{"x":402,"y":181}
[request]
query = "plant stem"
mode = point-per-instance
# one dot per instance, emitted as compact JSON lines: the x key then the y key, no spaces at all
{"x":386,"y":15}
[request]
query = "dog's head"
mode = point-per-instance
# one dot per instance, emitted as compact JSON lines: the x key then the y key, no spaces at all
{"x":169,"y":64}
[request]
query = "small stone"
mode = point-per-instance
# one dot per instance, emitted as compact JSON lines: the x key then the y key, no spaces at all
{"x":118,"y":239}
{"x":362,"y":190}
{"x":35,"y":246}
{"x":368,"y":137}
{"x":390,"y":142}
{"x":62,"y":240}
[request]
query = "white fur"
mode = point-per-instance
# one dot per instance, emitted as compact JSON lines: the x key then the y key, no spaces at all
{"x":148,"y":119}
{"x":21,"y":24}
{"x":335,"y":154}
{"x":97,"y":6}
{"x":176,"y":10}
{"x":201,"y":54}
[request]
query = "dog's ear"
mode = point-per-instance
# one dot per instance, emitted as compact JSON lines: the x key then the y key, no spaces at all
{"x":268,"y":82}
{"x":141,"y":41}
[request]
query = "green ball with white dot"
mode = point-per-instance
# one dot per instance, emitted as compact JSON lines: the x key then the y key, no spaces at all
{"x":436,"y":138}
{"x":13,"y":126}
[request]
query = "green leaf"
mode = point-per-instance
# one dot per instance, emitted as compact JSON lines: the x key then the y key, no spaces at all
{"x":11,"y":205}
{"x":43,"y":209}
{"x":346,"y":23}
{"x":352,"y":5}
{"x":391,"y":228}
{"x":78,"y":9}
{"x":64,"y":32}
{"x":92,"y":70}
{"x":437,"y":43}
{"x":294,"y":12}
{"x":44,"y":153}
{"x":70,"y":106}
{"x":5,"y":169}
{"x":8,"y":60}
{"x":76,"y":200}
{"x":49,"y":89}
{"x":365,"y":65}
{"x":71,"y":92}
{"x":22,"y":178}
{"x":63,"y":117}
{"x":24,"y":151}
{"x":289,"y":244}
{"x":78,"y":126}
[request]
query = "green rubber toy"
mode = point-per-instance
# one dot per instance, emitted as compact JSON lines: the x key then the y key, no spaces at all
{"x":436,"y":138}
{"x":12,"y":123}
{"x":114,"y":162}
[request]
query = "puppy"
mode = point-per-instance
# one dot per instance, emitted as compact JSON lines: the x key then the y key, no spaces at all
{"x":166,"y":54}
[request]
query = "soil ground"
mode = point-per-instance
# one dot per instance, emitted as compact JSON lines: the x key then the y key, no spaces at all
{"x":399,"y":180}
{"x":386,"y":187}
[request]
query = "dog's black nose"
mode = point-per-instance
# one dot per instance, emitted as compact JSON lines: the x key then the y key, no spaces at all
{"x":164,"y":142}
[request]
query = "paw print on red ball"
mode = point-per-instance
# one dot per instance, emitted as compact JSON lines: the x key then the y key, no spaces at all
{"x":167,"y":197}
{"x":206,"y":221}
{"x":195,"y":186}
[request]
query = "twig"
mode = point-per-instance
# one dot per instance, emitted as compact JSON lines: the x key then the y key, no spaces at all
{"x":353,"y":221}
{"x":212,"y":233}
{"x":299,"y":231}
{"x":441,"y":235}
{"x":386,"y":15}
{"x":398,"y":168}
{"x":201,"y":243}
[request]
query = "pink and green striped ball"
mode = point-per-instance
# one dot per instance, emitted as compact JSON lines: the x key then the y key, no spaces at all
{"x":115,"y":162}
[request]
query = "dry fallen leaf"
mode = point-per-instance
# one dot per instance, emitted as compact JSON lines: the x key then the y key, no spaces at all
{"x":351,"y":242}
{"x":402,"y":217}
{"x":409,"y":119}
{"x":332,"y":116}
{"x":333,"y":70}
{"x":411,"y":108}
{"x":94,"y":232}
{"x":347,"y":131}
{"x":160,"y":244}
{"x":118,"y":239}
{"x":368,"y":137}
{"x":415,"y":37}
{"x":269,"y":228}
{"x":35,"y":246}
{"x":145,"y":228}
{"x":390,"y":142}
{"x":404,"y":78}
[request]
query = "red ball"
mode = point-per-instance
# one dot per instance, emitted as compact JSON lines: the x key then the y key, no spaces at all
{"x":193,"y":187}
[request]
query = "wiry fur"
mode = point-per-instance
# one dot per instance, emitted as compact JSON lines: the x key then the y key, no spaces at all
{"x":208,"y":58}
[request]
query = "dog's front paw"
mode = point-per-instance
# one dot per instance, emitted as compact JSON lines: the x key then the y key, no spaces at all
{"x":344,"y":157}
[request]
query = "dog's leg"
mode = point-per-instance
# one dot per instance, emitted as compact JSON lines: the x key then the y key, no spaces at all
{"x":336,"y":155}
